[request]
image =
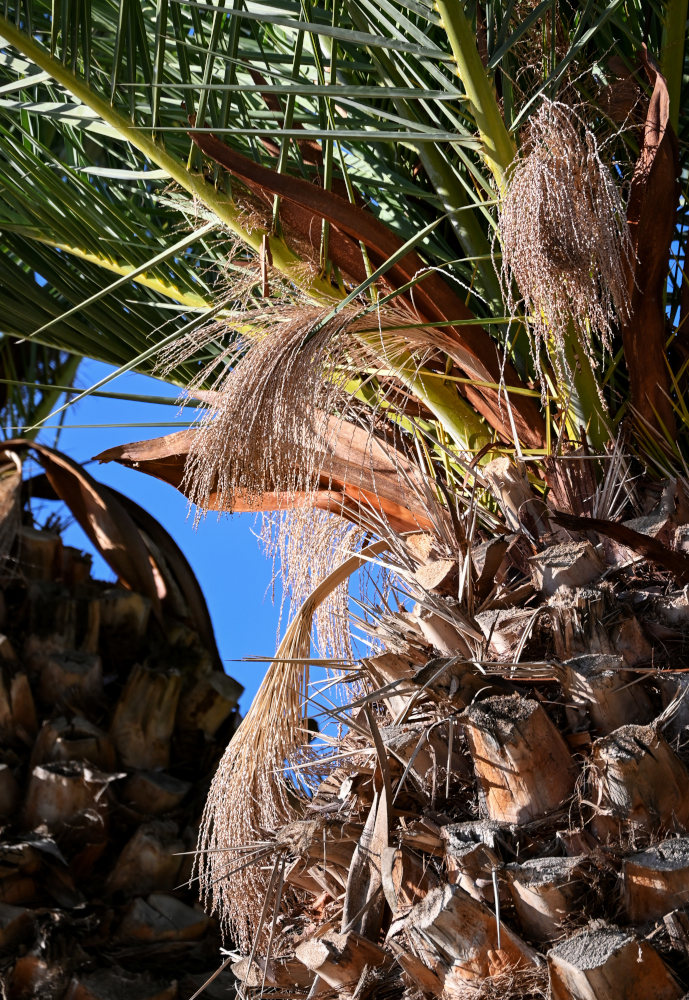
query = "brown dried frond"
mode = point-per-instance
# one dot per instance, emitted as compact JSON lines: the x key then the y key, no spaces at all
{"x":564,"y":234}
{"x":620,"y":99}
{"x":10,"y":510}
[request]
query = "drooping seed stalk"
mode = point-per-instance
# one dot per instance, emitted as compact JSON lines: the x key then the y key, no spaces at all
{"x":252,"y":788}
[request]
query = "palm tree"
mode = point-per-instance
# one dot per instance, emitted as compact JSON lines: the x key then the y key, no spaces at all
{"x":114,"y":711}
{"x":424,"y":266}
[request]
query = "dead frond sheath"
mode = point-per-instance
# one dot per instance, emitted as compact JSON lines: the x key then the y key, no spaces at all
{"x":564,"y":233}
{"x":253,"y":789}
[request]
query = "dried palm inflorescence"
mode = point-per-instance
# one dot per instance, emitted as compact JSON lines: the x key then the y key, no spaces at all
{"x":254,"y":789}
{"x":267,"y":429}
{"x":278,"y":394}
{"x":249,"y":793}
{"x":305,"y":544}
{"x":564,"y":234}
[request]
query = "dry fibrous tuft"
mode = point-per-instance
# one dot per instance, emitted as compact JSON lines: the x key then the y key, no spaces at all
{"x":279,"y":388}
{"x":251,"y":794}
{"x":564,"y":234}
{"x":266,"y":430}
{"x":516,"y":984}
{"x":265,"y":767}
{"x":304,"y":544}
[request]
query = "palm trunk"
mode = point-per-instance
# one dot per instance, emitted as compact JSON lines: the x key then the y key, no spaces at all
{"x":525,"y":830}
{"x":111,"y":726}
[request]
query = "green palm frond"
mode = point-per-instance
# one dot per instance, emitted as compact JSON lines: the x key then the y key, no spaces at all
{"x":412,"y":110}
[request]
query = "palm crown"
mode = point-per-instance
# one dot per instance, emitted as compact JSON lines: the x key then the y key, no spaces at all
{"x":411,"y":114}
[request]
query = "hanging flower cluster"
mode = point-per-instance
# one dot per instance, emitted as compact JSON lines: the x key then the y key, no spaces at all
{"x":565,"y":241}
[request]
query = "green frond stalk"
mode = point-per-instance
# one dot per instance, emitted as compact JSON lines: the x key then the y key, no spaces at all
{"x":129,"y":273}
{"x":583,"y":409}
{"x":498,"y":148}
{"x":672,"y":62}
{"x":460,"y":421}
{"x":49,"y":396}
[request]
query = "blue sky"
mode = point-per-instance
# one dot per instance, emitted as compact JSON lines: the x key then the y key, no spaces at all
{"x":224,"y":554}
